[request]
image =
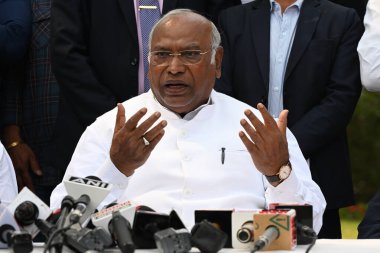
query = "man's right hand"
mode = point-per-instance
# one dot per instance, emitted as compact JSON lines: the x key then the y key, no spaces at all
{"x":128,"y":149}
{"x":23,"y":158}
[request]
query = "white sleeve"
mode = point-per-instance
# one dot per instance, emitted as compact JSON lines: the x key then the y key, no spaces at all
{"x":369,"y":47}
{"x":298,"y":187}
{"x":8,"y":183}
{"x":91,"y":158}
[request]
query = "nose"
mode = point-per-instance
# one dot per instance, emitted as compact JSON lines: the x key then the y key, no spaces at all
{"x":176,"y":65}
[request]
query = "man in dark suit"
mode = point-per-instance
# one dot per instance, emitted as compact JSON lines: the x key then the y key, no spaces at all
{"x":314,"y":73}
{"x":15,"y":28}
{"x":358,"y":5}
{"x":95,"y":57}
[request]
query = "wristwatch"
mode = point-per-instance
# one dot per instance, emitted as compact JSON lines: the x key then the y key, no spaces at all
{"x":282,"y":174}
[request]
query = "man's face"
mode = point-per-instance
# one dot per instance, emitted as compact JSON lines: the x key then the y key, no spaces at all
{"x":182,"y":88}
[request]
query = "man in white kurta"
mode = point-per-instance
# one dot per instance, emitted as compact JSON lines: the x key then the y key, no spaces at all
{"x":8,"y":184}
{"x":369,"y":47}
{"x":197,"y":157}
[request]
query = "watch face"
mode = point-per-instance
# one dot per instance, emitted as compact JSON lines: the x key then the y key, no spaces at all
{"x":284,"y":172}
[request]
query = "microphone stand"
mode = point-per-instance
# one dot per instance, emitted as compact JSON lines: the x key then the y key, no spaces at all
{"x":55,"y":242}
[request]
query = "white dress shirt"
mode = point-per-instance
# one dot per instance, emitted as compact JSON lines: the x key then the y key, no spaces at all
{"x":8,"y":183}
{"x":369,"y":47}
{"x":185,"y":172}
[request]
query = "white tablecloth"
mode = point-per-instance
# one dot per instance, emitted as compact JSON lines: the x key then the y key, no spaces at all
{"x":321,"y":246}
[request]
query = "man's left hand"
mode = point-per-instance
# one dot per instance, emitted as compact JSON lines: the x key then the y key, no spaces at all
{"x":266,"y":141}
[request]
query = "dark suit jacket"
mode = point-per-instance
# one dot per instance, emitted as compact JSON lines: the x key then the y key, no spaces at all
{"x":321,"y":86}
{"x":369,"y":228}
{"x":358,"y":5}
{"x":15,"y":28}
{"x":95,"y":58}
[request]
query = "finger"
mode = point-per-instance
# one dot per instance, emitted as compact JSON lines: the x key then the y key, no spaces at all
{"x":268,"y":119}
{"x":283,"y":121}
{"x":35,"y":166}
{"x":27,"y":180}
{"x":251,"y":147}
{"x":120,"y":117}
{"x":155,"y":141}
{"x":20,"y":184}
{"x":144,"y":126}
{"x":132,"y":122}
{"x":255,"y":121}
{"x":255,"y":137}
{"x":155,"y":131}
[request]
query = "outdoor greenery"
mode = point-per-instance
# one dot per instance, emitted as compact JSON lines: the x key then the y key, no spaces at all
{"x":350,"y":219}
{"x":364,"y":143}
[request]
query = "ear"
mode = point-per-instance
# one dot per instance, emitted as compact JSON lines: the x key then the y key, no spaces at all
{"x":218,"y":61}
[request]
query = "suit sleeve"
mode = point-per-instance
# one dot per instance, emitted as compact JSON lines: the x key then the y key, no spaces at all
{"x":331,"y":116}
{"x":15,"y":29}
{"x":71,"y":63}
{"x":369,"y":228}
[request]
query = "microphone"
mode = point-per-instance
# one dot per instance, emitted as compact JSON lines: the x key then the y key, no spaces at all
{"x":27,"y":208}
{"x":20,"y":241}
{"x":6,"y":232}
{"x":56,"y":239}
{"x":7,"y":220}
{"x":173,"y":241}
{"x":242,"y":229}
{"x":26,"y":213}
{"x":304,"y":220}
{"x":92,"y":186}
{"x":103,"y":217}
{"x":270,"y":234}
{"x":80,"y":207}
{"x":207,"y":237}
{"x":120,"y":229}
{"x":274,"y":230}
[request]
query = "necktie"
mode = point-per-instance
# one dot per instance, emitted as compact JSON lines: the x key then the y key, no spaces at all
{"x":149,"y":15}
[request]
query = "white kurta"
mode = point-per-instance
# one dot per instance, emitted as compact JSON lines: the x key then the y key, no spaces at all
{"x":8,"y":183}
{"x":185,"y":172}
{"x":369,"y":47}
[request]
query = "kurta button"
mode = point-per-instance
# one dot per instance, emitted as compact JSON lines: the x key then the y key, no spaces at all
{"x":134,"y":62}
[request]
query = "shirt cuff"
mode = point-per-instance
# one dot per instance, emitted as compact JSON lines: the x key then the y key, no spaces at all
{"x":288,"y":191}
{"x":109,"y":173}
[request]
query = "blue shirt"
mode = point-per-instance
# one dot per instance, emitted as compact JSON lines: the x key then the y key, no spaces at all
{"x":282,"y":31}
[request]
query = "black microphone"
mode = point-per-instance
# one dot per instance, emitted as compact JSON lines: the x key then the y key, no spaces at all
{"x":6,"y":232}
{"x":270,"y":234}
{"x":80,"y":207}
{"x":66,"y":205}
{"x":26,"y":213}
{"x":45,"y":227}
{"x":120,"y":229}
{"x":20,"y":241}
{"x":56,"y":239}
{"x":92,"y":186}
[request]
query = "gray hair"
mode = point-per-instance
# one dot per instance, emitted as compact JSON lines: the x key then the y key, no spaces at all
{"x":215,"y":35}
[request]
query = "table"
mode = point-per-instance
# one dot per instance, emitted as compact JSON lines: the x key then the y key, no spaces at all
{"x":321,"y":246}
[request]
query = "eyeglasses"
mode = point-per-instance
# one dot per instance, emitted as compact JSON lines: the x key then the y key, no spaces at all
{"x":187,"y":57}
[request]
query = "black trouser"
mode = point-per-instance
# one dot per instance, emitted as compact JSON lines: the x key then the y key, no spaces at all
{"x":331,"y":225}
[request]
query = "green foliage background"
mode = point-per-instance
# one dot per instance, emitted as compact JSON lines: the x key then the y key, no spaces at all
{"x":364,"y":143}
